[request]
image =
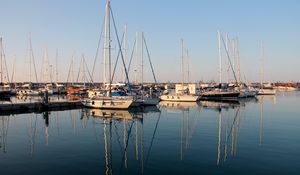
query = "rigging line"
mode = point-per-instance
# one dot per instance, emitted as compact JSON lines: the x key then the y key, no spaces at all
{"x":80,"y":65}
{"x":87,"y":69}
{"x":4,"y":59}
{"x":229,"y":60}
{"x":118,"y":137}
{"x":114,"y":71}
{"x":71,"y":69}
{"x":32,"y":56}
{"x":120,"y":47}
{"x":98,"y":47}
{"x":154,"y":133}
{"x":131,"y":57}
{"x":13,"y":72}
{"x":150,"y":60}
{"x":230,"y":131}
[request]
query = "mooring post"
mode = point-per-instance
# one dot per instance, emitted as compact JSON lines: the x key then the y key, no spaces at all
{"x":45,"y":99}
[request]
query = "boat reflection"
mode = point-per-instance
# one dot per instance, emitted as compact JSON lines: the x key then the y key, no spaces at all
{"x":4,"y":125}
{"x":228,"y":134}
{"x":125,"y":127}
{"x":218,"y":105}
{"x":115,"y":114}
{"x":178,"y":105}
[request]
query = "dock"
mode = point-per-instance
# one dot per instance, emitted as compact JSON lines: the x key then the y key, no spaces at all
{"x":15,"y":108}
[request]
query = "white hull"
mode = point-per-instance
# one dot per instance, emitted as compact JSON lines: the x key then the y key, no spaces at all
{"x":108,"y":102}
{"x":179,"y":98}
{"x":266,"y":92}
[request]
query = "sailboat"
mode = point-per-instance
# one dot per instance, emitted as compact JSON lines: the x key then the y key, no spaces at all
{"x":147,"y":98}
{"x":222,"y":91}
{"x":28,"y":89}
{"x":264,"y":90}
{"x":108,"y":101}
{"x":5,"y":90}
{"x":183,"y":93}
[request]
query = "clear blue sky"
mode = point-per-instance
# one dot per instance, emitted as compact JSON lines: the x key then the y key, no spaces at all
{"x":73,"y":26}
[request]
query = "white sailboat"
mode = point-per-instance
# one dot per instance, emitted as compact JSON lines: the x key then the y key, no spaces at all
{"x":5,"y":89}
{"x":28,"y":89}
{"x":146,"y":99}
{"x":183,"y":96}
{"x":263,"y":90}
{"x":108,"y":101}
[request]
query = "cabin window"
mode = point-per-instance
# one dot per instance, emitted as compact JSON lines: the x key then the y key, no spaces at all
{"x":167,"y":96}
{"x":93,"y":102}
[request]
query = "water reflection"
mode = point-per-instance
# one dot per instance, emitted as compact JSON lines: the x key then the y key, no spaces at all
{"x":228,"y":147}
{"x":132,"y":123}
{"x":175,"y":137}
{"x":178,"y":105}
{"x":4,"y":123}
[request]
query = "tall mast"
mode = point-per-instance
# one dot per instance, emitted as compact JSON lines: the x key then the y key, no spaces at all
{"x":233,"y":53}
{"x":125,"y":51}
{"x":31,"y":58}
{"x":29,"y":54}
{"x":109,"y":46}
{"x":238,"y":59}
{"x":1,"y":58}
{"x":220,"y":57}
{"x":182,"y":63}
{"x":137,"y":57}
{"x":105,"y":44}
{"x":188,"y":65}
{"x":227,"y":58}
{"x":56,"y":66}
{"x":142,"y":57}
{"x":262,"y":65}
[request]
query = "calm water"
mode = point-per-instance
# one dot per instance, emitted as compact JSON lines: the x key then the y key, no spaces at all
{"x":253,"y":137}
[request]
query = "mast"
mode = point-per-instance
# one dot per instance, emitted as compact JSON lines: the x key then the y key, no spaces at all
{"x":233,"y":53}
{"x":107,"y":47}
{"x":227,"y":56}
{"x":238,"y":59}
{"x":188,"y":65}
{"x":1,"y":58}
{"x":262,"y":66}
{"x":142,"y":57}
{"x":56,"y":66}
{"x":182,"y":63}
{"x":31,"y":57}
{"x":137,"y":56}
{"x":220,"y":57}
{"x":125,"y":51}
{"x":104,"y":44}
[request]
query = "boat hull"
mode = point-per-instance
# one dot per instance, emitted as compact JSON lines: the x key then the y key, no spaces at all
{"x":108,"y":102}
{"x":220,"y":95}
{"x":146,"y":102}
